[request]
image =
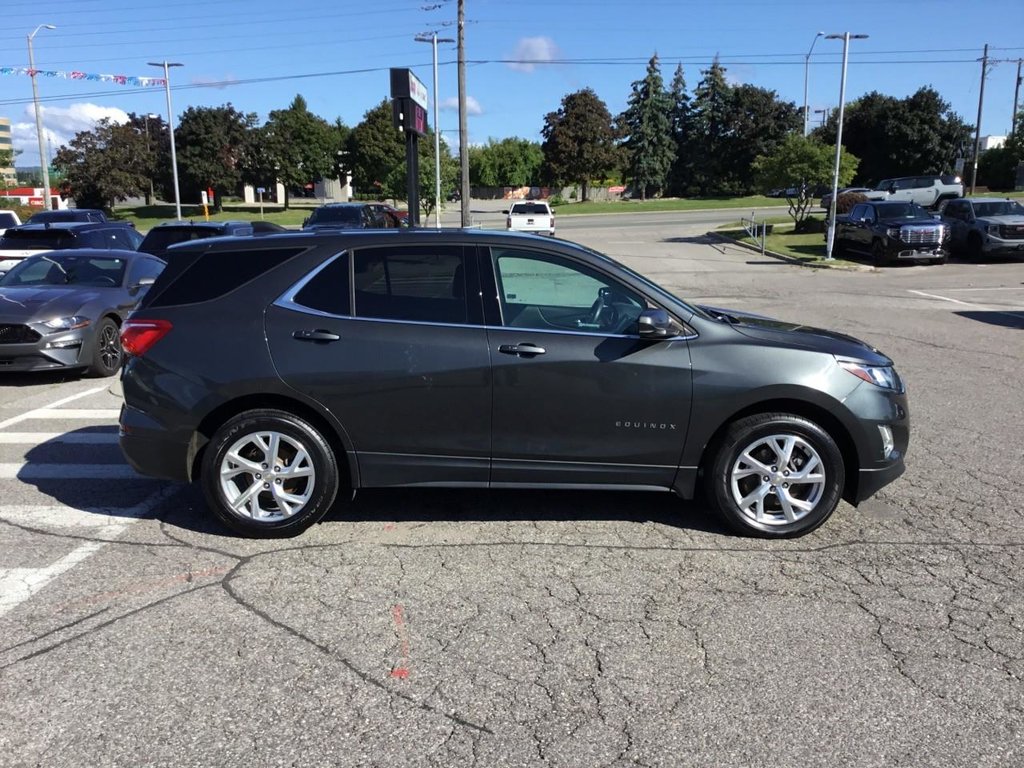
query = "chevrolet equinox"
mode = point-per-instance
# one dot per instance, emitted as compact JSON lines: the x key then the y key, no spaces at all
{"x":279,"y":371}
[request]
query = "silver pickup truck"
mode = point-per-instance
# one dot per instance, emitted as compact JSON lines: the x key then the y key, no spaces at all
{"x":530,"y":216}
{"x":985,"y":226}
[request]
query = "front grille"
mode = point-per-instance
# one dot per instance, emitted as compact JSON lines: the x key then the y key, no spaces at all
{"x":1011,"y":231}
{"x":17,"y":334}
{"x":921,"y":235}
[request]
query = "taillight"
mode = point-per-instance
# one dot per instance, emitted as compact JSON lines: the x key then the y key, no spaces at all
{"x":137,"y":336}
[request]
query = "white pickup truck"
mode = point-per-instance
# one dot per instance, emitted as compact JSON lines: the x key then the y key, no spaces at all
{"x":530,"y":216}
{"x":8,"y":219}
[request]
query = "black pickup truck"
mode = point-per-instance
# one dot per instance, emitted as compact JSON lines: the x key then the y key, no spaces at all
{"x":890,"y":232}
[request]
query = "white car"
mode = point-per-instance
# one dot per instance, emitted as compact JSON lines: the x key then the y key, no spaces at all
{"x":8,"y":219}
{"x":531,"y":216}
{"x":927,"y":191}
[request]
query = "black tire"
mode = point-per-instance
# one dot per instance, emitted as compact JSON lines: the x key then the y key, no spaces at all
{"x":263,"y":486}
{"x":878,"y":254}
{"x":106,"y":350}
{"x":940,"y":260}
{"x":751,"y":435}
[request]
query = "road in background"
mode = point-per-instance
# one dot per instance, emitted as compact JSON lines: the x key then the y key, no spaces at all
{"x":443,"y":628}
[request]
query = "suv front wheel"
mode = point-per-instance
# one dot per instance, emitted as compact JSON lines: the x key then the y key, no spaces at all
{"x":269,"y":474}
{"x":776,"y":475}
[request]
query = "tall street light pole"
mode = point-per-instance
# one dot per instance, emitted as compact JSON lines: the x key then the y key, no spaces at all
{"x":149,"y":148}
{"x":170,"y":127}
{"x":43,"y":162}
{"x":463,"y":127}
{"x":807,"y":64}
{"x":845,"y":37}
{"x":434,"y":39}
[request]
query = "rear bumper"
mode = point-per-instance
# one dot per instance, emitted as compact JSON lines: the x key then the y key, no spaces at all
{"x":150,"y":449}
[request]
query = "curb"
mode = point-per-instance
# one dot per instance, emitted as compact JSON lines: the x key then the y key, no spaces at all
{"x":789,"y":259}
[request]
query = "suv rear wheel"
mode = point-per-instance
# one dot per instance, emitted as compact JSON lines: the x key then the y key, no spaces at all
{"x":269,"y":474}
{"x":776,"y":475}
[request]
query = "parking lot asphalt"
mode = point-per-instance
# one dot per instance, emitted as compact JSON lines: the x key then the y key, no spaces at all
{"x":451,"y":628}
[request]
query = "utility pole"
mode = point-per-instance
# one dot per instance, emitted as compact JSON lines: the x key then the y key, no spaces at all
{"x":463,"y":128}
{"x":1016,"y":94}
{"x":977,"y":128}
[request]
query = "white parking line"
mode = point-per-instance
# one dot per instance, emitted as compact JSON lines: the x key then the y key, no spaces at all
{"x":946,"y":298}
{"x":19,"y":584}
{"x":104,"y":414}
{"x":71,"y":438}
{"x":31,"y":414}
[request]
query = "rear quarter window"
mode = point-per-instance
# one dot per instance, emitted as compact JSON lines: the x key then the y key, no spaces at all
{"x":192,"y":277}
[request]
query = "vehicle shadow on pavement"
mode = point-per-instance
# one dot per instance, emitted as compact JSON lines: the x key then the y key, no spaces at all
{"x":40,"y":378}
{"x":187,"y":508}
{"x":1004,"y":319}
{"x":695,"y":239}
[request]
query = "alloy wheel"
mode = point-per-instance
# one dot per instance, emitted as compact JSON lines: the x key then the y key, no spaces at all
{"x":267,"y":476}
{"x":777,"y":480}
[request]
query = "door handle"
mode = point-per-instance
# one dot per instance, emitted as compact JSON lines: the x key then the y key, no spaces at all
{"x":528,"y":350}
{"x":317,"y":335}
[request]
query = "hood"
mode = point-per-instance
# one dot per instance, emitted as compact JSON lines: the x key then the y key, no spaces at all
{"x":925,"y":221}
{"x":30,"y":304}
{"x":807,"y":337}
{"x":1009,"y":220}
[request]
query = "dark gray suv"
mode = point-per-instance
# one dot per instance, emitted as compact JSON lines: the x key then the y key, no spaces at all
{"x":280,"y":370}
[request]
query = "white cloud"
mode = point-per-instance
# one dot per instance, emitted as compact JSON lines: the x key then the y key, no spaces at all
{"x":60,"y":124}
{"x":531,"y":51}
{"x":451,"y":104}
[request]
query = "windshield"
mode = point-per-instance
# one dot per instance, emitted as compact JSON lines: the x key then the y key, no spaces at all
{"x":901,"y":211}
{"x":346,"y":216}
{"x":531,"y":209}
{"x":884,"y":184}
{"x":39,"y":240}
{"x":68,"y":215}
{"x":66,"y":270}
{"x":158,"y":240}
{"x":999,"y":208}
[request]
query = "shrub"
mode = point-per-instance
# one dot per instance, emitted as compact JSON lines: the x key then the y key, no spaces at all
{"x":556,"y":200}
{"x":810,"y":225}
{"x":21,"y":211}
{"x":847,"y":200}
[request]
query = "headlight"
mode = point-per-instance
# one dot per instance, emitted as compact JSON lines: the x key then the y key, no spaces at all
{"x":893,"y":232}
{"x":993,"y":229}
{"x":883,"y":376}
{"x":67,"y":323}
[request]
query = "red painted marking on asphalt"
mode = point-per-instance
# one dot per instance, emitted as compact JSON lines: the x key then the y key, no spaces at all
{"x":401,"y":670}
{"x":389,"y":526}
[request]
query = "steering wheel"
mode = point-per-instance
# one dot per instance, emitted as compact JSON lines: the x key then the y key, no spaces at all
{"x":602,"y":311}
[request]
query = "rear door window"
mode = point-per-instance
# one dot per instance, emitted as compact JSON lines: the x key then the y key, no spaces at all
{"x":414,"y":283}
{"x":328,"y":290}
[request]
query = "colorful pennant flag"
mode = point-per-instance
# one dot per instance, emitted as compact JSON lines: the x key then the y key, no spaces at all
{"x":145,"y":82}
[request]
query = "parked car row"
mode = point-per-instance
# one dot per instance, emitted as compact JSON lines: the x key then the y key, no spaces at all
{"x":893,"y":231}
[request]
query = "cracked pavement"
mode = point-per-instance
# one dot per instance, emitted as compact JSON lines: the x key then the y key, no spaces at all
{"x":472,"y":628}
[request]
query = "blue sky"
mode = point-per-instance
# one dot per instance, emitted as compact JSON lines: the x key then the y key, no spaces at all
{"x":336,"y":54}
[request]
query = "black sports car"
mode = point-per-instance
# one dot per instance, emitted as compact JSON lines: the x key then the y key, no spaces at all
{"x":63,"y":309}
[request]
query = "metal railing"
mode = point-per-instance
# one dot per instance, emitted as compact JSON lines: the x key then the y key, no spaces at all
{"x":755,"y":231}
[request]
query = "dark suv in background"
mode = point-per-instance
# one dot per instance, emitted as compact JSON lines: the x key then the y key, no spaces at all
{"x":350,"y":216}
{"x":280,"y":370}
{"x":163,"y":236}
{"x":891,"y":232}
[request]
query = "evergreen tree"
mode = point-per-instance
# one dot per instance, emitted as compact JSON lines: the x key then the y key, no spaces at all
{"x":682,"y":134}
{"x":711,"y":107}
{"x":646,"y":126}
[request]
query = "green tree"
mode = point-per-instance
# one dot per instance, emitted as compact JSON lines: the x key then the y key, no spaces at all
{"x":301,"y":145}
{"x":711,"y":129}
{"x":682,"y":134}
{"x":919,"y":134}
{"x":211,"y":145}
{"x":375,"y":149}
{"x":511,"y":162}
{"x":579,"y":141}
{"x":802,"y":163}
{"x":104,"y":165}
{"x":760,"y":123}
{"x":395,"y":183}
{"x":646,"y":128}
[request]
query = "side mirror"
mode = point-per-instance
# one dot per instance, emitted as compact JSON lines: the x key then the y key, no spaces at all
{"x":892,"y":188}
{"x":505,"y":211}
{"x":656,"y":324}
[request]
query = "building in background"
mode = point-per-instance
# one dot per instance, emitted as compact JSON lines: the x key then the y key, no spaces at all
{"x":7,"y":175}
